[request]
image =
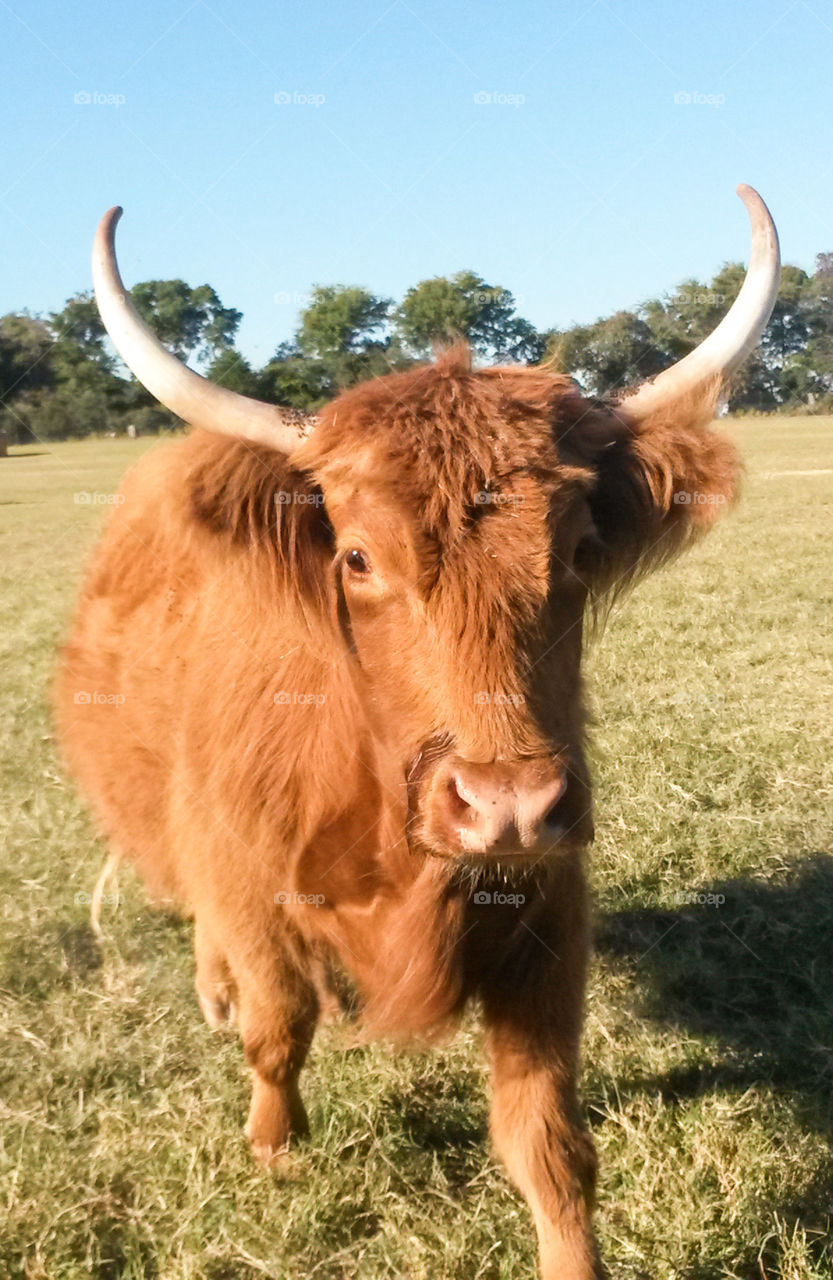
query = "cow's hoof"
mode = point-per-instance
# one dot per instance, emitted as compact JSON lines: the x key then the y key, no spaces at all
{"x":269,"y":1156}
{"x":330,"y":1009}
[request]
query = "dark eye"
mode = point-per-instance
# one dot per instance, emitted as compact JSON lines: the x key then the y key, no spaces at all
{"x":357,"y":562}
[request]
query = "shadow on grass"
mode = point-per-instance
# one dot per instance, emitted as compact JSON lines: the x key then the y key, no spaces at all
{"x":749,"y":965}
{"x":61,"y":954}
{"x":64,"y":952}
{"x":436,"y":1111}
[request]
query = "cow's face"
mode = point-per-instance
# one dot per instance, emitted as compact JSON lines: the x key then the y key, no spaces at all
{"x":460,"y":532}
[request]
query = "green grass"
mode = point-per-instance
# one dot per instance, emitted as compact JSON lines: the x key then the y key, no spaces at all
{"x":708,"y":1073}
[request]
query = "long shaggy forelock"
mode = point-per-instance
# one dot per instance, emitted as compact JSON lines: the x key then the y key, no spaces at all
{"x":447,"y":437}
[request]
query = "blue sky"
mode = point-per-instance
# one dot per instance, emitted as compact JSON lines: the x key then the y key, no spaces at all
{"x":584,"y":182}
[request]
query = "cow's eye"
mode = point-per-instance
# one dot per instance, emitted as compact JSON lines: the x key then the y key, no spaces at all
{"x":357,"y":562}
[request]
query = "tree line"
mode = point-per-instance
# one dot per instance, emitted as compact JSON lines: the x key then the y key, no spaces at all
{"x":60,"y":378}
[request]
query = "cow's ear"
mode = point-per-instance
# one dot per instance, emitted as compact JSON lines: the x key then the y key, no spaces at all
{"x":659,"y":483}
{"x":253,"y":496}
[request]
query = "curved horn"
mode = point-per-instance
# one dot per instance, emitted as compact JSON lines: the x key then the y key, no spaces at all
{"x":185,"y":393}
{"x":738,"y":332}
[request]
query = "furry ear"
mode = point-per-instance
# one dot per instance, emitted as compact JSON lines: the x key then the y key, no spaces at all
{"x":251,"y":494}
{"x":660,"y":483}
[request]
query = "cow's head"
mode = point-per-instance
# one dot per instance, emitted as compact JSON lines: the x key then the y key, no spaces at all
{"x":461,"y":515}
{"x":471,"y":517}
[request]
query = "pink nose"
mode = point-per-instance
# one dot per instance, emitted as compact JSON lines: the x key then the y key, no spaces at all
{"x":498,"y":808}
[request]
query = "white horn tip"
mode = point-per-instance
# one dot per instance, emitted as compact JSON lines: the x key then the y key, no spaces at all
{"x":739,"y":331}
{"x":759,"y":214}
{"x":107,"y":225}
{"x":185,"y":393}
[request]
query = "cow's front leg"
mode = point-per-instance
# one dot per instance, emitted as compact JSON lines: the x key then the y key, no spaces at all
{"x":277,"y":1009}
{"x":533,"y":1015}
{"x":278,"y":1012}
{"x":550,"y":1158}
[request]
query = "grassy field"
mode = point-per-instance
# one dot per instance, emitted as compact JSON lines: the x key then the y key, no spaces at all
{"x":708,"y":1074}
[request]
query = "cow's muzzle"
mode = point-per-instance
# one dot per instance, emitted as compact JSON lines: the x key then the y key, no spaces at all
{"x":502,"y":810}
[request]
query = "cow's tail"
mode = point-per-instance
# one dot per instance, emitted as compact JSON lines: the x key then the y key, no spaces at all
{"x":106,"y":872}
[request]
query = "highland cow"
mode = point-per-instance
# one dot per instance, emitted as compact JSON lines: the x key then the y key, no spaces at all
{"x":342,"y":719}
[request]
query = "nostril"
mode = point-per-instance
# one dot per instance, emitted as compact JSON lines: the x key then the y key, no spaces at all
{"x":457,"y":804}
{"x":556,"y":814}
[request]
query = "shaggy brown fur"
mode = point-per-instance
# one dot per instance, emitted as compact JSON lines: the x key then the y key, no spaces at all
{"x":274,"y":758}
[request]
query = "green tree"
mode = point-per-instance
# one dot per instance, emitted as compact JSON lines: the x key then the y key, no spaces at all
{"x":231,"y":370}
{"x":341,"y":339}
{"x":25,"y":353}
{"x":296,"y":380}
{"x":88,"y":395}
{"x":807,"y":373}
{"x":192,"y":323}
{"x":26,"y":372}
{"x":445,"y":308}
{"x":688,"y":315}
{"x":79,"y":326}
{"x":611,"y":354}
{"x":341,"y":320}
